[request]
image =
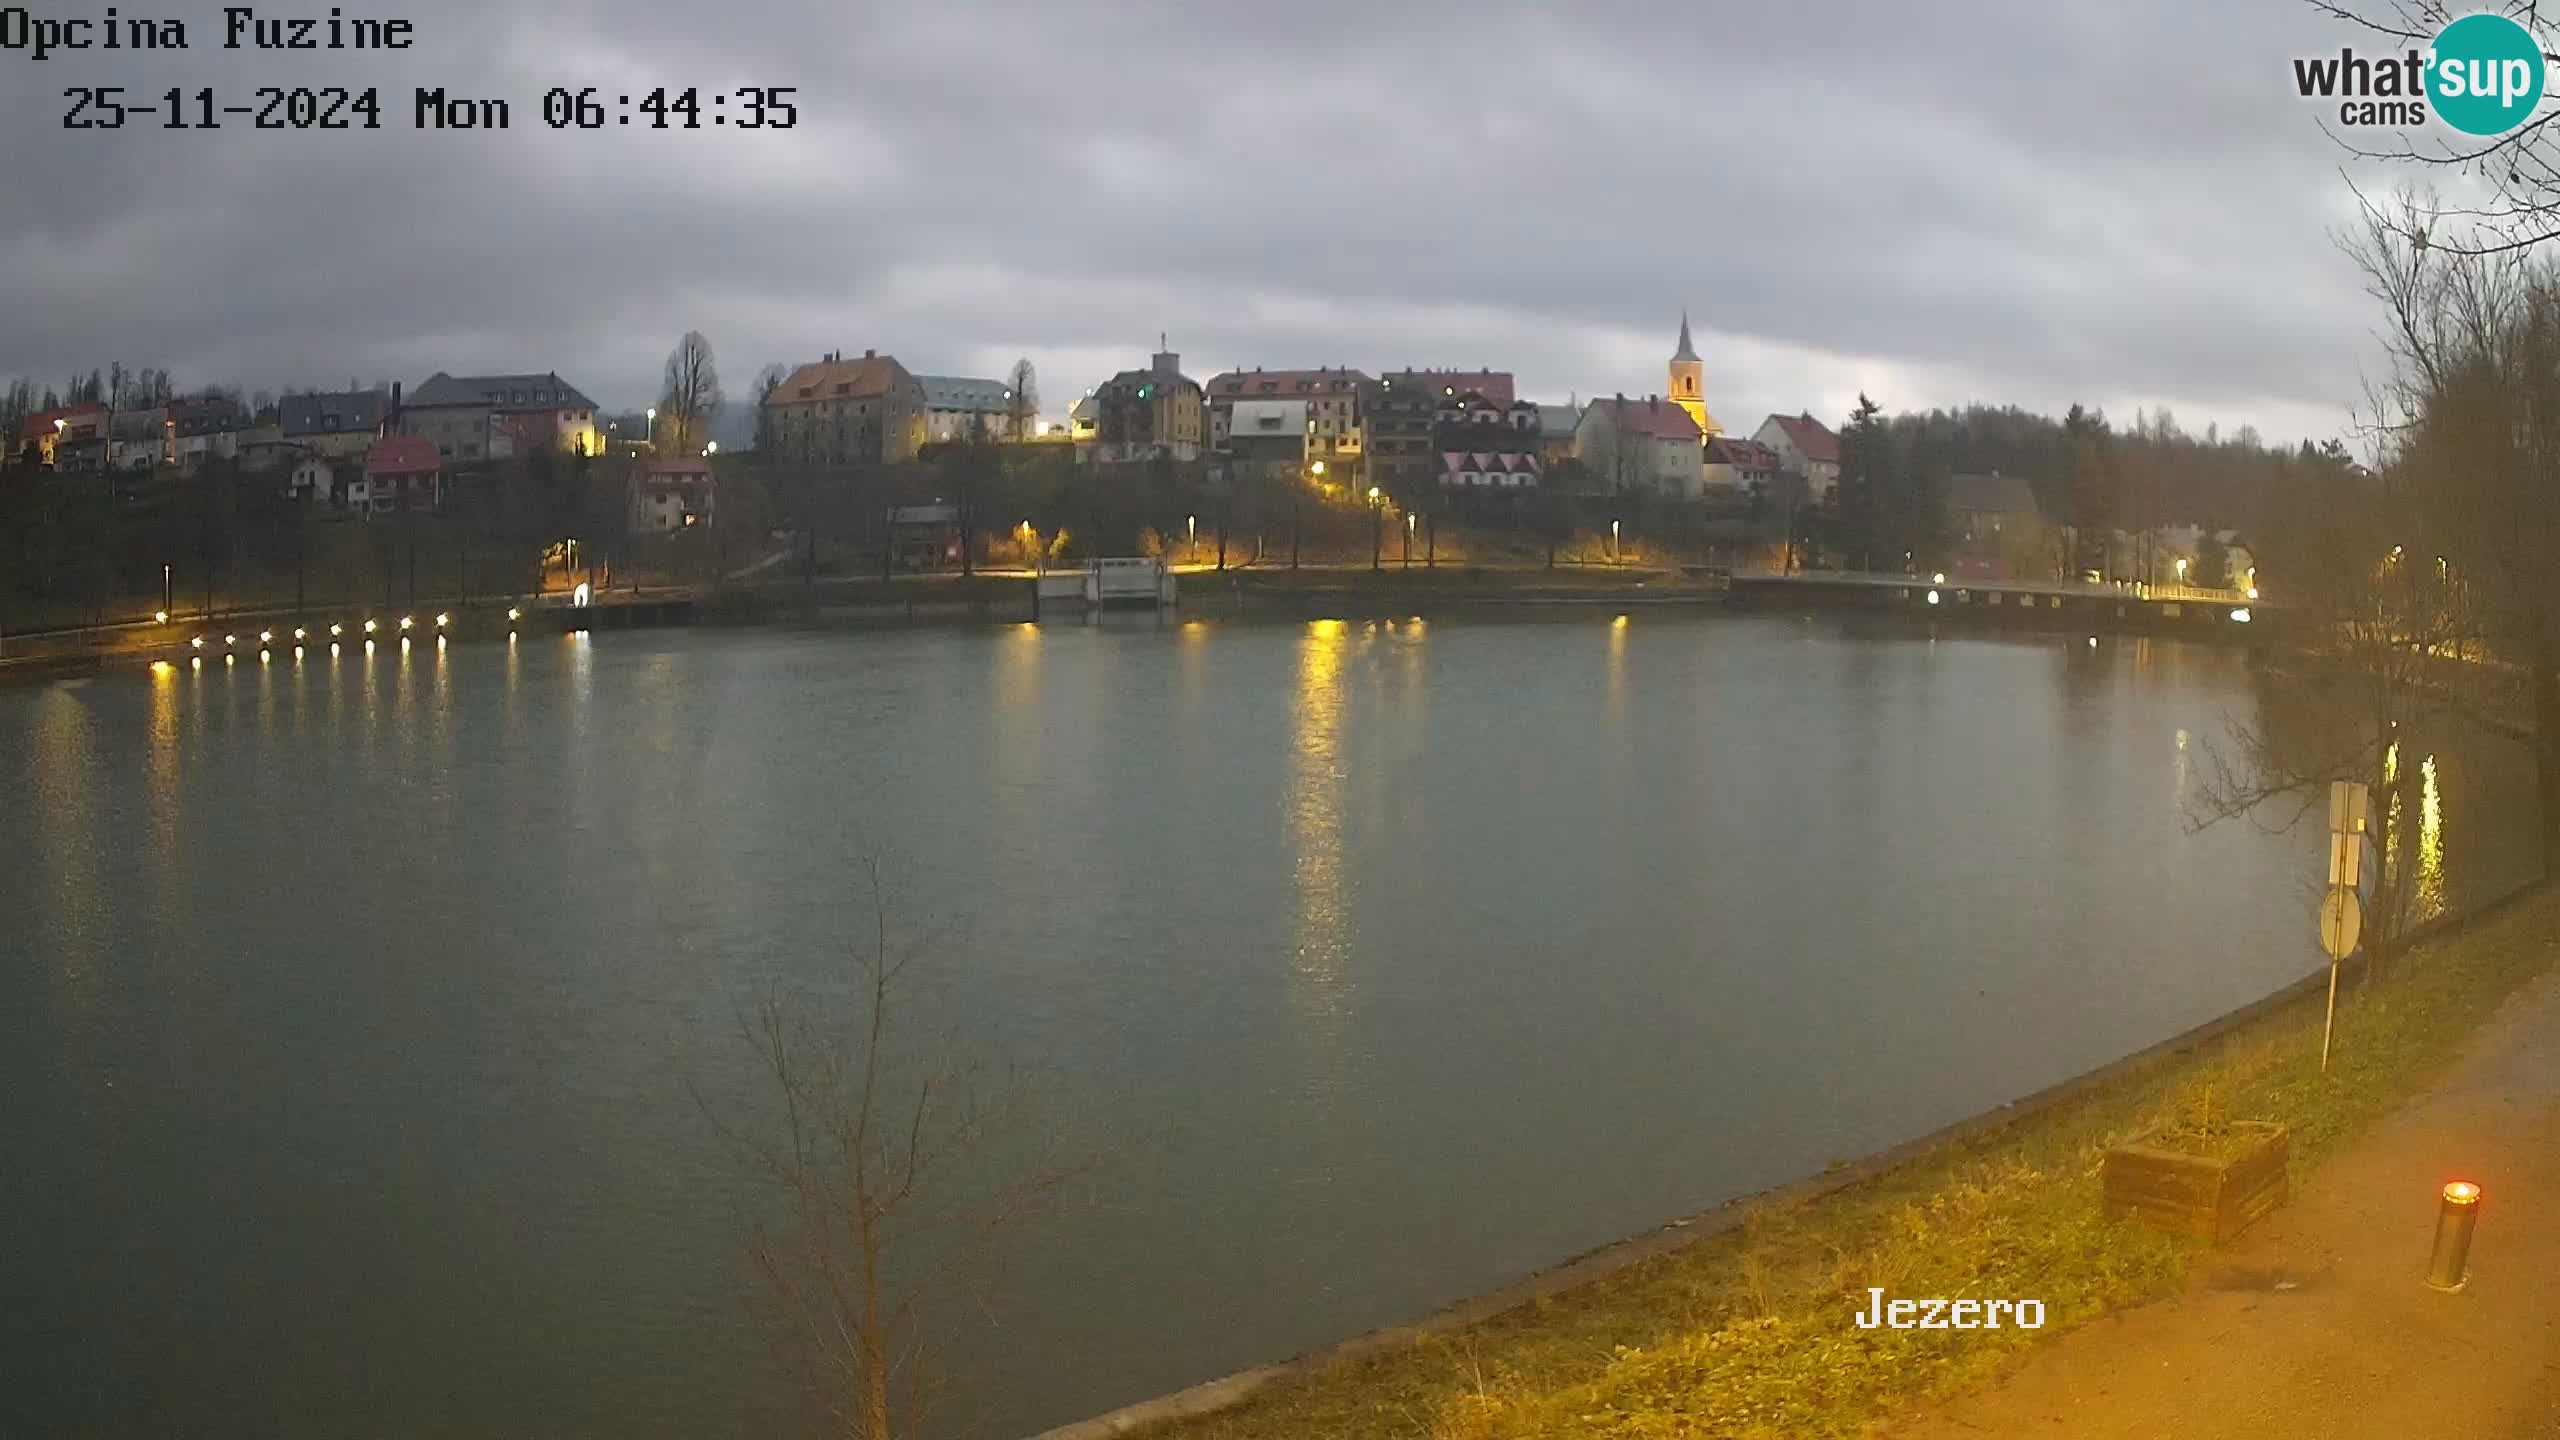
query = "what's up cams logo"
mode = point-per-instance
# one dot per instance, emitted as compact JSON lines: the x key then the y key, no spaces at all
{"x":2482,"y":76}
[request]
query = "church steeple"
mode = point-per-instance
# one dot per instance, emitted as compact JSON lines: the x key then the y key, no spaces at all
{"x":1688,"y":381}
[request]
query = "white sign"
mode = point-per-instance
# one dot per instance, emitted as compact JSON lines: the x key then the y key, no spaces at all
{"x":2346,"y":861}
{"x":2347,"y":807}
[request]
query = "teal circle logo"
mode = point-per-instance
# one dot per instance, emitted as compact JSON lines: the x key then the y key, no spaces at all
{"x":2484,"y":75}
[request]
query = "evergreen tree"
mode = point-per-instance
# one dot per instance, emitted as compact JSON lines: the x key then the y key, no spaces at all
{"x":1864,"y":527}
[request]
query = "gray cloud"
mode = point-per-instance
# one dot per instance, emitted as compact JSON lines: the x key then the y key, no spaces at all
{"x":1996,"y":201}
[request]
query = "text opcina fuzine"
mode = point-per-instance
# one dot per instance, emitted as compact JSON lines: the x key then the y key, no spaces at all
{"x":1883,"y":1314}
{"x":241,"y":27}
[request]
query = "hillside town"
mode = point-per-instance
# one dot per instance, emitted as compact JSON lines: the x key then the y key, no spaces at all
{"x":1416,"y":448}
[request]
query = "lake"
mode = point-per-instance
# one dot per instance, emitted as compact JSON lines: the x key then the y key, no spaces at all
{"x":364,"y":1019}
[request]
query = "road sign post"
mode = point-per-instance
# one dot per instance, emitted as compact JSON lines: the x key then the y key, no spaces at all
{"x":2341,"y":911}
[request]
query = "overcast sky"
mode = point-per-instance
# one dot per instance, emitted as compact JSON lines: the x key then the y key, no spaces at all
{"x":2014,"y":202}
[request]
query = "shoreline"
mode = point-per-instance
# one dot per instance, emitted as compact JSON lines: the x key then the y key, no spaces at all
{"x":1591,"y":1268}
{"x":866,"y":601}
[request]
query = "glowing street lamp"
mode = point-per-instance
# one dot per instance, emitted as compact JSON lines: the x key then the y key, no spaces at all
{"x":2182,"y":569}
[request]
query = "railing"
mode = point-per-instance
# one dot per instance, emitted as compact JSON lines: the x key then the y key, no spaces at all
{"x":1100,"y":582}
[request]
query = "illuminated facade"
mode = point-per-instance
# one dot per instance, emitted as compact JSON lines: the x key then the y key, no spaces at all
{"x":1688,"y":378}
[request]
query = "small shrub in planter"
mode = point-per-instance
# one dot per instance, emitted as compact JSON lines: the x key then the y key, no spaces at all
{"x":2203,"y":1175}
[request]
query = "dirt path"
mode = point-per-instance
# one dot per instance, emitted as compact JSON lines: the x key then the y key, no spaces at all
{"x":2316,"y":1323}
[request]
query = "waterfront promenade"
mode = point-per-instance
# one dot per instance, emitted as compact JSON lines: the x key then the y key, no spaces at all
{"x":2316,"y":1323}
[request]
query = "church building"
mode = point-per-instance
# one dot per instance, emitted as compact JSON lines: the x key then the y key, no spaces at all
{"x":1688,"y":383}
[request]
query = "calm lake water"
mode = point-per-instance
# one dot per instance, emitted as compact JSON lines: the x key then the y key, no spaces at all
{"x":352,"y":1010}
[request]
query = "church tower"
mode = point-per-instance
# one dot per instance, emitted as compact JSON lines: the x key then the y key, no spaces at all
{"x":1688,"y":381}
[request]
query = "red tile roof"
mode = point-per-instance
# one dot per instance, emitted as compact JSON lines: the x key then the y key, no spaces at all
{"x":401,"y":455}
{"x":866,"y":378}
{"x":1810,"y":436}
{"x":1658,"y":418}
{"x":41,"y":422}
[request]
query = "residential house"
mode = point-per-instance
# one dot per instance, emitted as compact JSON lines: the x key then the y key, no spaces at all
{"x":141,"y":441}
{"x":474,"y":418}
{"x":1265,"y":436}
{"x":1402,"y":414}
{"x":957,"y":407}
{"x":45,"y":431}
{"x":1996,"y":528}
{"x":401,"y":472}
{"x":1150,"y":414}
{"x":313,"y":480}
{"x":924,"y":537}
{"x":205,"y":428}
{"x":1806,"y":448}
{"x":672,"y":494}
{"x":261,"y":441}
{"x":341,"y":425}
{"x":1484,"y":443}
{"x":1556,"y":427}
{"x":1735,"y":465}
{"x":1984,"y":507}
{"x":1647,"y":444}
{"x":1333,"y":428}
{"x":869,"y":411}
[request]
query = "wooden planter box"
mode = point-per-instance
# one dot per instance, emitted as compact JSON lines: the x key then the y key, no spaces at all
{"x":2188,"y":1194}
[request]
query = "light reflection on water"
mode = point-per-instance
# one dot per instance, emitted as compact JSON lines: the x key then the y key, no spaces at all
{"x":1319,"y":966}
{"x":1442,"y":951}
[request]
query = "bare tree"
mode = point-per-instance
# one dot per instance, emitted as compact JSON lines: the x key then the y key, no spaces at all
{"x":689,"y":401}
{"x":896,"y":1163}
{"x":2473,"y":412}
{"x":2519,"y":171}
{"x":1022,"y":401}
{"x":768,"y":380}
{"x":2376,"y":630}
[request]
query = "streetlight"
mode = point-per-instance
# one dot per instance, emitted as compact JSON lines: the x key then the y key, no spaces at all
{"x":2182,"y":569}
{"x":653,"y":427}
{"x":711,"y":449}
{"x":1377,"y":518}
{"x":1615,"y":552}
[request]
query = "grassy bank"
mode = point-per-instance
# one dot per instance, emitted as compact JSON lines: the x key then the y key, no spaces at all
{"x":1750,"y":1332}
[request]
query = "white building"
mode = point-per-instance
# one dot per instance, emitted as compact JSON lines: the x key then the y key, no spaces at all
{"x":310,"y":481}
{"x":1648,"y":444}
{"x":957,"y":407}
{"x":1806,"y":448}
